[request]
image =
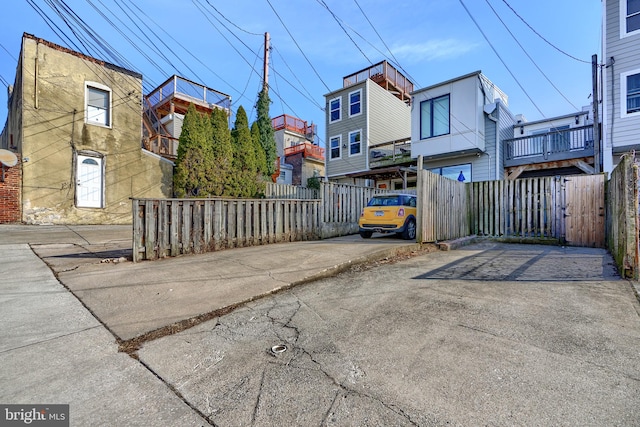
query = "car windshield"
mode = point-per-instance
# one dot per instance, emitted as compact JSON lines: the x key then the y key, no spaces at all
{"x":395,"y":200}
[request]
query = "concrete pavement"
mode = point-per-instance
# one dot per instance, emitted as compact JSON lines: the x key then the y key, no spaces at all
{"x":52,"y":351}
{"x":487,"y":335}
{"x":62,"y":347}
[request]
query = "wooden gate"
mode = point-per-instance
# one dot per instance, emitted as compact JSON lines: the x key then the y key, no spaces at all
{"x":570,"y":209}
{"x":583,"y":197}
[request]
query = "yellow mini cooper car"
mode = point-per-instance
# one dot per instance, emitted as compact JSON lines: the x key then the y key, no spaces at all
{"x":389,"y":213}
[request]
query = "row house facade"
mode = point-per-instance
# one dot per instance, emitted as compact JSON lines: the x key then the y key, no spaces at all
{"x":74,"y":122}
{"x":368,"y":127}
{"x":621,"y":79}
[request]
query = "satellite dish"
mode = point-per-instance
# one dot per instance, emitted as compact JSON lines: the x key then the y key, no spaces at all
{"x":8,"y":158}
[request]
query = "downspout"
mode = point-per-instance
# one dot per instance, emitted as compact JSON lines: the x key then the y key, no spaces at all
{"x":613,"y":104}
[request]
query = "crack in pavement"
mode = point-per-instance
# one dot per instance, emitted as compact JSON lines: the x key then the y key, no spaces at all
{"x":319,"y":367}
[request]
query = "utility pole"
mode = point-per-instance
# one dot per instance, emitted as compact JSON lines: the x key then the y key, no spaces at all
{"x":596,"y":115}
{"x":265,"y":82}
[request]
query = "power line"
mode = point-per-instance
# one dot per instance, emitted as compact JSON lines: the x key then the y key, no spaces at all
{"x":500,"y":58}
{"x":529,"y":56}
{"x":322,"y":2}
{"x":539,"y":35}
{"x":298,"y":46}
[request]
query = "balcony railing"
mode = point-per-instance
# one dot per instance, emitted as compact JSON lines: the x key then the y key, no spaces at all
{"x":552,"y":146}
{"x":386,"y":75}
{"x":294,"y":124}
{"x":308,"y":151}
{"x":164,"y":146}
{"x":389,"y":154}
{"x":183,"y":89}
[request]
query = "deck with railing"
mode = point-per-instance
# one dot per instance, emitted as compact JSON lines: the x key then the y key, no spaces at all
{"x":390,"y":153}
{"x":307,"y":149}
{"x":385,"y":75}
{"x":294,"y":124}
{"x":558,"y":145}
{"x":178,"y":92}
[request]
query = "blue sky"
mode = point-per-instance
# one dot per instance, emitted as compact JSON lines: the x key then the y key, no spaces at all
{"x":322,"y":41}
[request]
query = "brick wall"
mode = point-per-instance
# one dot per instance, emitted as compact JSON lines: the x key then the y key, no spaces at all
{"x":10,"y":205}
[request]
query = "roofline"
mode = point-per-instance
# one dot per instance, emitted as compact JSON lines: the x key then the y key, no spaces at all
{"x":466,"y":76}
{"x":551,"y":119}
{"x":82,"y":56}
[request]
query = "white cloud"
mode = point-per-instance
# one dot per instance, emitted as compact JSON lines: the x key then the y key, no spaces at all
{"x":432,"y":50}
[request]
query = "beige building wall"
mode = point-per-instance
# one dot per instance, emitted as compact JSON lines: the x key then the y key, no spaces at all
{"x":55,"y":130}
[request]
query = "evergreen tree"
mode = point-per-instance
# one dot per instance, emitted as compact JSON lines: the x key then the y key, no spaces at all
{"x":261,"y":157}
{"x":222,"y":165}
{"x":195,"y":156}
{"x":267,"y":139}
{"x":244,"y":157}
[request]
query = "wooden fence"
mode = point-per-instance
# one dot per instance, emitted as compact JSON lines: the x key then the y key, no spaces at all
{"x":341,"y":204}
{"x":172,"y":227}
{"x":622,"y":217}
{"x":444,"y":209}
{"x":569,"y":209}
{"x":285,"y":191}
{"x":517,"y":208}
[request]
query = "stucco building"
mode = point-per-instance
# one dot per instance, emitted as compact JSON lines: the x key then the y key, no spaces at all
{"x":75,"y":123}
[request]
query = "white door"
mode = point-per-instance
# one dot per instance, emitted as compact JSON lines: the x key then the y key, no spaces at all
{"x":89,"y":182}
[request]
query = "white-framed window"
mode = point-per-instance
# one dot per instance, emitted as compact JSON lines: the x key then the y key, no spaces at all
{"x":629,"y":17}
{"x":335,"y":110}
{"x":355,"y":143}
{"x":334,"y":147}
{"x":630,"y":91}
{"x":461,"y":173}
{"x":434,"y":117}
{"x":97,"y":104}
{"x":355,"y":103}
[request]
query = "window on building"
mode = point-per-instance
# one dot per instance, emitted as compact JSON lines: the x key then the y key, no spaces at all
{"x":460,"y":173}
{"x":632,"y":15}
{"x":633,"y":93}
{"x":355,"y":105}
{"x":434,"y":117}
{"x":98,"y":110}
{"x":355,"y":144}
{"x":334,"y":110}
{"x":335,"y":147}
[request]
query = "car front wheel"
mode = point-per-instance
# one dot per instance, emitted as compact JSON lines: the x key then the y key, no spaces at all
{"x":409,"y":232}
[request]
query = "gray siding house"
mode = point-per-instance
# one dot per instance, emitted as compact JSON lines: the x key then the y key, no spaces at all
{"x":621,"y":77}
{"x":457,"y":127}
{"x":370,"y":111}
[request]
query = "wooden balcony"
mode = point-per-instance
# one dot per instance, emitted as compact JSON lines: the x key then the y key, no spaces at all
{"x":390,"y":153}
{"x":294,"y":124}
{"x":307,"y":149}
{"x":162,"y":145}
{"x":557,"y":146}
{"x":385,"y":75}
{"x":175,"y":95}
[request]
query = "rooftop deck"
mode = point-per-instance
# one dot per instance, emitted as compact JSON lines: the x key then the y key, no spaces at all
{"x":294,"y":124}
{"x":175,"y":95}
{"x":385,"y":75}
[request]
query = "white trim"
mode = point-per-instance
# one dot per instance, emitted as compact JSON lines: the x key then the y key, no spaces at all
{"x":99,"y":86}
{"x":339,"y":99}
{"x":349,"y":145}
{"x":359,"y":102}
{"x":339,"y":148}
{"x":623,"y":94}
{"x":623,"y":21}
{"x":82,"y":202}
